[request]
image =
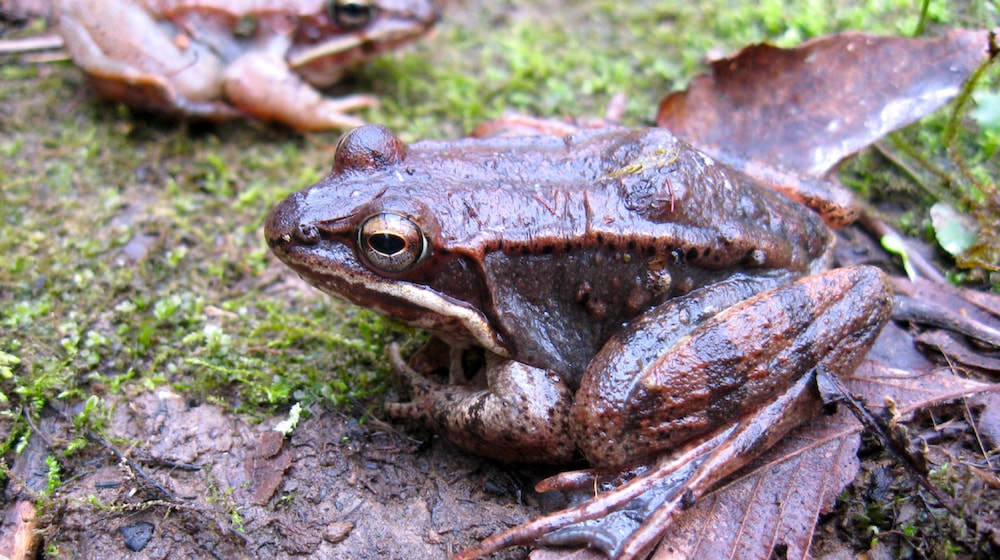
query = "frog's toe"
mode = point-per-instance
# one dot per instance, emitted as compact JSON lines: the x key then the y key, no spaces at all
{"x":408,"y":410}
{"x":607,"y":534}
{"x":419,"y":384}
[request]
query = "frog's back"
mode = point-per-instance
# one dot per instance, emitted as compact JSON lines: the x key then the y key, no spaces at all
{"x":643,"y":191}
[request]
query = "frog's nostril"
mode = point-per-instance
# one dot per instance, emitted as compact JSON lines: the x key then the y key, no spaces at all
{"x":285,"y":224}
{"x":307,"y":233}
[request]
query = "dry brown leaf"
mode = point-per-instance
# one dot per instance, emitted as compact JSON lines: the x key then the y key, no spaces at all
{"x":776,"y":502}
{"x":267,"y":466}
{"x":808,"y":107}
{"x":988,"y":424}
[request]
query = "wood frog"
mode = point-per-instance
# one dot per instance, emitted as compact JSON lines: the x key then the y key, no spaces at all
{"x":621,"y":297}
{"x":218,"y":60}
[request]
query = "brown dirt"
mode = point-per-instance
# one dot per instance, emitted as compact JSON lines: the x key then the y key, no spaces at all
{"x":334,"y":489}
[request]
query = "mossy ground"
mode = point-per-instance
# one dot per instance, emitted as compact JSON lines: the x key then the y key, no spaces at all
{"x":132,"y":255}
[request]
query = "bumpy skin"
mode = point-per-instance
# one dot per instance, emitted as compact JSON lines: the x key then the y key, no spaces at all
{"x":197,"y":58}
{"x":634,"y":300}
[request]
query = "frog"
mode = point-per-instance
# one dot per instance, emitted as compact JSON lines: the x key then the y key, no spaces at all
{"x":218,"y":60}
{"x":610,"y":294}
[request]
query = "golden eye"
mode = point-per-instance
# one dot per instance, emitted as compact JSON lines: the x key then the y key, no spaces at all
{"x":352,"y":14}
{"x":391,"y":242}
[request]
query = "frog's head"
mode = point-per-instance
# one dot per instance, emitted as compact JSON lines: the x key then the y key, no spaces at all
{"x":333,"y":35}
{"x":350,"y":238}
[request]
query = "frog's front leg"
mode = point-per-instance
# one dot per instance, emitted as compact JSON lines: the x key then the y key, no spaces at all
{"x":262,"y":84}
{"x":521,"y":416}
{"x":700,"y":386}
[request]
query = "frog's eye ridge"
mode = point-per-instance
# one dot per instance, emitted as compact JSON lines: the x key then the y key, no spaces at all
{"x":367,"y":148}
{"x":391,"y":242}
{"x":352,"y":14}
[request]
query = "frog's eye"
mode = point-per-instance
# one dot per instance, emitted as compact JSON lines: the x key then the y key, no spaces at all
{"x":391,"y":243}
{"x":352,"y":14}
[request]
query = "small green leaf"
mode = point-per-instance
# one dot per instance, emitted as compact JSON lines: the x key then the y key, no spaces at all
{"x":895,"y":245}
{"x":953,"y":231}
{"x":987,"y":111}
{"x":53,"y":477}
{"x":7,"y":363}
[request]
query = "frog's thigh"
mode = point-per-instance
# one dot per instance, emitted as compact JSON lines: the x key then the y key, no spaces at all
{"x":522,"y":417}
{"x":263,"y":85}
{"x":131,"y":57}
{"x":128,"y":44}
{"x":732,"y":364}
{"x":89,"y":55}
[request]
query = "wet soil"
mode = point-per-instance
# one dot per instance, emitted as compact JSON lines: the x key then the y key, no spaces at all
{"x":225,"y":488}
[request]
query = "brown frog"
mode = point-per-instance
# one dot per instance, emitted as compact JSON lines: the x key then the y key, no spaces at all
{"x":218,"y":59}
{"x":629,"y":300}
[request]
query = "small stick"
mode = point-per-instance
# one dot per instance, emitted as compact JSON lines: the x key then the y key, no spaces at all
{"x":28,"y":44}
{"x":167,"y":494}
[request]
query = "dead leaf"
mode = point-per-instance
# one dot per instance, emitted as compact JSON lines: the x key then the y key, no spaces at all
{"x":808,"y":107}
{"x":957,"y":311}
{"x":267,"y":466}
{"x":17,"y":538}
{"x":776,"y":502}
{"x":959,"y":351}
{"x":988,"y":424}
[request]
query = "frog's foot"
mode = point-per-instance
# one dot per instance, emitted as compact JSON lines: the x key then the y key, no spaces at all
{"x":627,"y":522}
{"x":264,"y":86}
{"x":113,"y":60}
{"x":422,"y":390}
{"x":523,"y":416}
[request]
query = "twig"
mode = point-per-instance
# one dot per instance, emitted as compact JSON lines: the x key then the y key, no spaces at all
{"x":833,"y":389}
{"x":34,"y":427}
{"x":975,"y":431}
{"x":147,"y":459}
{"x":37,"y":43}
{"x":168,"y":495}
{"x":906,"y":308}
{"x":894,"y":158}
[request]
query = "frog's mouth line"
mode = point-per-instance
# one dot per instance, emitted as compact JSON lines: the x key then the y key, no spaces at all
{"x":413,"y":304}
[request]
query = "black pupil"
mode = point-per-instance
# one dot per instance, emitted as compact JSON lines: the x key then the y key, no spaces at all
{"x":354,"y":13}
{"x":386,"y":243}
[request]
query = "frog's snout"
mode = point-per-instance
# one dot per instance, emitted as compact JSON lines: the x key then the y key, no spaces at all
{"x":285,"y":224}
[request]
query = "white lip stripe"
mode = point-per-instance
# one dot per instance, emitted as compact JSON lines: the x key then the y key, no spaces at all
{"x":473,"y":321}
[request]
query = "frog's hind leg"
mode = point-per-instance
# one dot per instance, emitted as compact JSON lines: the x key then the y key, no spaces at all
{"x":756,"y":359}
{"x":627,"y":522}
